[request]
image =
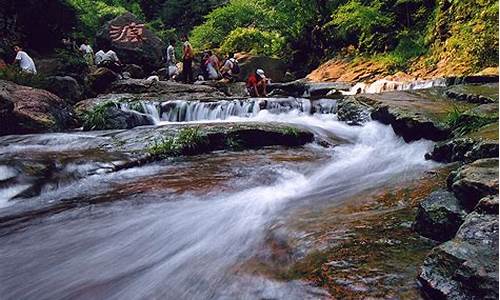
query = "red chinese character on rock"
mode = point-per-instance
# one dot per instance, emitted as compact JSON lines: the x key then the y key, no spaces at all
{"x":129,"y":33}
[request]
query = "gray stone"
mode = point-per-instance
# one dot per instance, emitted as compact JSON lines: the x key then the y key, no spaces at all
{"x":65,"y":87}
{"x":467,"y":266}
{"x":439,"y":216}
{"x":352,"y":111}
{"x":474,"y":181}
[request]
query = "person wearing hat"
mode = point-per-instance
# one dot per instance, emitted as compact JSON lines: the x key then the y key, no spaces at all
{"x":256,"y":84}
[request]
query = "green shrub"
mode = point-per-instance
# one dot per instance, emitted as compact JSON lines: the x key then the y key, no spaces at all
{"x":187,"y":141}
{"x":254,"y":41}
{"x":14,"y":74}
{"x":96,"y":118}
{"x":71,"y":62}
{"x":363,"y":22}
{"x":221,"y":21}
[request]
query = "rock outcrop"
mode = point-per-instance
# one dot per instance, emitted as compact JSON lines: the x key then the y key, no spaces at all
{"x":274,"y":68}
{"x":439,"y":216}
{"x":65,"y":87}
{"x":27,"y":110}
{"x":100,"y":80}
{"x":465,"y":267}
{"x":132,"y":42}
{"x":474,"y":181}
{"x":463,"y":149}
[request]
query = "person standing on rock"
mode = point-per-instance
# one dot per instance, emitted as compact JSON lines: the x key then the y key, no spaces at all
{"x":170,"y":59}
{"x":88,"y":53}
{"x":25,"y":61}
{"x":187,"y":60}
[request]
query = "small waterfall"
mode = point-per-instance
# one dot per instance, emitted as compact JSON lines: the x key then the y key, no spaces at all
{"x":189,"y":111}
{"x":384,"y":85}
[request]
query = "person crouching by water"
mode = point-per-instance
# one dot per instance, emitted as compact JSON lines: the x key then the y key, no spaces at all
{"x":257,"y":84}
{"x":108,"y":60}
{"x":25,"y":61}
{"x":187,"y":60}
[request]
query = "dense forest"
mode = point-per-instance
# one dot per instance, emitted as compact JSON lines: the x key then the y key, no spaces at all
{"x":303,"y":32}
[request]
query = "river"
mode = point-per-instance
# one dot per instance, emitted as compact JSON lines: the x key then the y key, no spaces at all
{"x":183,"y":228}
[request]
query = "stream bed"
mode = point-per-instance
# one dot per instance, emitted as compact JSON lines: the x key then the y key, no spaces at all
{"x":193,"y":227}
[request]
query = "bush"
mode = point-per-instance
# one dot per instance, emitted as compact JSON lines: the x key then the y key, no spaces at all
{"x":221,"y":21}
{"x":14,"y":74}
{"x":362,"y":22}
{"x":96,"y":118}
{"x":187,"y":141}
{"x":254,"y":41}
{"x":71,"y":62}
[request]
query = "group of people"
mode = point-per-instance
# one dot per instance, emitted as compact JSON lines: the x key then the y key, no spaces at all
{"x":211,"y":67}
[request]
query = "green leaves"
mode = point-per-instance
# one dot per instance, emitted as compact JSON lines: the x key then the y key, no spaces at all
{"x":253,"y":40}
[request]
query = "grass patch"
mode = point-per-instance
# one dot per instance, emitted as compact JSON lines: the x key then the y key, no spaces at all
{"x":187,"y":141}
{"x":96,"y":118}
{"x":290,"y":131}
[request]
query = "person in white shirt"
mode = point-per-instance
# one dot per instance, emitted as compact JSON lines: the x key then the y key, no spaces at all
{"x":88,"y":53}
{"x":108,"y":59}
{"x":25,"y":61}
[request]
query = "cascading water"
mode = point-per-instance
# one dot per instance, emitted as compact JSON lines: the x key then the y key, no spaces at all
{"x":188,"y":245}
{"x":188,"y":111}
{"x":384,"y":85}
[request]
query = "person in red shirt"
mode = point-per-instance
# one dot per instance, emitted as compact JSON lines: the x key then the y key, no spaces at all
{"x":256,"y":84}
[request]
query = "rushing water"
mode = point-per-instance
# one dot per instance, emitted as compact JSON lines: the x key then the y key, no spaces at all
{"x":184,"y":228}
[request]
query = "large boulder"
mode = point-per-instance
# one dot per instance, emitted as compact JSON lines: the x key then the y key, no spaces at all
{"x":274,"y":68}
{"x":352,"y":111}
{"x":135,"y":71}
{"x":467,"y":266}
{"x":474,"y":181}
{"x":439,"y":216}
{"x":132,"y":42}
{"x":65,"y":87}
{"x":26,"y":110}
{"x":100,"y":80}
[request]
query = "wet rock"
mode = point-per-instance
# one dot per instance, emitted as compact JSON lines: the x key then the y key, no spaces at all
{"x":65,"y":87}
{"x":487,"y":205}
{"x":274,"y":68}
{"x":352,"y":111}
{"x":467,"y":266}
{"x":140,"y":47}
{"x":115,"y":118}
{"x":25,"y":109}
{"x":135,"y":71}
{"x":100,"y":80}
{"x":474,"y":181}
{"x":439,"y":216}
{"x":412,"y":114}
{"x":463,"y":149}
{"x":472,"y":79}
{"x":482,"y":94}
{"x":138,"y":86}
